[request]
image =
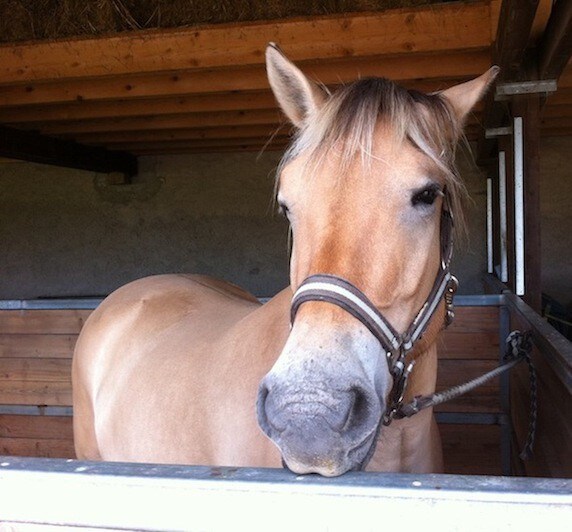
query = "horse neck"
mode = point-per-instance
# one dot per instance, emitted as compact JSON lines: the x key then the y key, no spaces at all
{"x":423,"y":379}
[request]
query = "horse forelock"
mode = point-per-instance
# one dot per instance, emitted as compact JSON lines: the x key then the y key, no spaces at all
{"x":348,"y":121}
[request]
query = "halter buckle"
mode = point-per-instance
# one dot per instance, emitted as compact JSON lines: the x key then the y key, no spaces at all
{"x":450,"y":292}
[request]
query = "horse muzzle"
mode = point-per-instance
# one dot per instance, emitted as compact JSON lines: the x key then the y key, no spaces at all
{"x":320,"y":428}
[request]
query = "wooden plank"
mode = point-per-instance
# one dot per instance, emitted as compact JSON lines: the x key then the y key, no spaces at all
{"x":427,"y":29}
{"x":172,"y":105}
{"x":159,"y":105}
{"x":262,"y":144}
{"x":162,"y":122}
{"x":37,"y":345}
{"x":238,"y":148}
{"x":471,"y":449}
{"x":35,"y":393}
{"x":31,"y":146}
{"x":475,"y":319}
{"x":47,"y":370}
{"x":42,"y":321}
{"x":472,"y":345}
{"x":479,"y":400}
{"x":554,"y":427}
{"x":128,"y":139}
{"x":36,"y":427}
{"x":558,"y":108}
{"x":39,"y":448}
{"x":453,"y":372}
{"x":408,"y":68}
{"x":556,"y":45}
{"x":82,"y":110}
{"x":120,"y":139}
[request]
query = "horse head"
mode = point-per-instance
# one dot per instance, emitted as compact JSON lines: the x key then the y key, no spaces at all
{"x":364,"y":186}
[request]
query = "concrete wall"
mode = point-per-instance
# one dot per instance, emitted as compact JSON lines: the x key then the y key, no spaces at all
{"x":65,"y":233}
{"x":556,"y":208}
{"x":63,"y":236}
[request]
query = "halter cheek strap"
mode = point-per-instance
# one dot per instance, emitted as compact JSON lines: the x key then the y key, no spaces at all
{"x":340,"y":292}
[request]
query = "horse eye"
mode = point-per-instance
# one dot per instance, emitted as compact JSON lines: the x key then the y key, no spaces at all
{"x":427,"y":196}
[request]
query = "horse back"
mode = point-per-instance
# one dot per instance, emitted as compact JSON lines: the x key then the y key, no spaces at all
{"x":162,"y":344}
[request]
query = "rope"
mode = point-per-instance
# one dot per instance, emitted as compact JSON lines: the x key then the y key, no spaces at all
{"x":518,"y":348}
{"x":520,"y":345}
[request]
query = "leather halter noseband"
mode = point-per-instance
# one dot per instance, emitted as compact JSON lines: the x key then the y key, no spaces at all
{"x":333,"y":289}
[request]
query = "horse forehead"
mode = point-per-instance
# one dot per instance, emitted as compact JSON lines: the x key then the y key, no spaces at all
{"x":393,"y":164}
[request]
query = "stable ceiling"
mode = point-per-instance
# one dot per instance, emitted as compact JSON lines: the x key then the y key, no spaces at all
{"x":204,"y":88}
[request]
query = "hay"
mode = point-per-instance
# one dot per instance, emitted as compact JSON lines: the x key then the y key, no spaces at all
{"x":22,"y":20}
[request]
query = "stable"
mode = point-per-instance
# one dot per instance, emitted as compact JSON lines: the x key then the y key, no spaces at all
{"x":161,"y":144}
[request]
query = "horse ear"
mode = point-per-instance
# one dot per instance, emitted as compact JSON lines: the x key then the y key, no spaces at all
{"x":298,"y":96}
{"x":464,"y":96}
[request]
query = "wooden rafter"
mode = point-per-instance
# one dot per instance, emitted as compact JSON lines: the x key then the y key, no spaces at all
{"x":231,"y":79}
{"x":513,"y":35}
{"x":436,"y":28}
{"x":516,"y":20}
{"x":206,"y":88}
{"x":556,"y":45}
{"x":30,"y":146}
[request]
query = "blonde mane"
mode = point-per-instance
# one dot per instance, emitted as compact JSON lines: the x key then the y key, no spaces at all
{"x":348,"y":120}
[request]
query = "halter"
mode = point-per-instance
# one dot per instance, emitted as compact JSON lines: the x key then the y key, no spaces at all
{"x":333,"y":289}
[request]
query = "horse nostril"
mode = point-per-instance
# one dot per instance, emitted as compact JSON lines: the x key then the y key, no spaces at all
{"x":360,"y":411}
{"x":261,"y":407}
{"x":268,"y":410}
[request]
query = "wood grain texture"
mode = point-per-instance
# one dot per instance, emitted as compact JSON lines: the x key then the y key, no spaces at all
{"x":438,"y":28}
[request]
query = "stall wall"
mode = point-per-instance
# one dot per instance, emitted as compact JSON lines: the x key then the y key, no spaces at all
{"x":70,"y":233}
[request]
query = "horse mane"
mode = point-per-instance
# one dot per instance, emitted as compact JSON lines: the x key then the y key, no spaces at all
{"x":347,"y":122}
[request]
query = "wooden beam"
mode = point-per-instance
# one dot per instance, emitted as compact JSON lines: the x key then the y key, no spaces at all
{"x":433,"y":28}
{"x":164,"y":122}
{"x":516,"y":20}
{"x":556,"y":45}
{"x":84,"y":110}
{"x":139,"y":107}
{"x":152,"y":123}
{"x":405,"y":68}
{"x":33,"y":147}
{"x":110,"y":137}
{"x":259,"y":144}
{"x":558,"y":111}
{"x":513,"y":34}
{"x":118,"y":138}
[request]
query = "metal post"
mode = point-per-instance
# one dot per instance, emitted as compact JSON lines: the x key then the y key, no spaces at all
{"x":519,"y":205}
{"x":503,"y":218}
{"x":490,"y":261}
{"x":505,"y":419}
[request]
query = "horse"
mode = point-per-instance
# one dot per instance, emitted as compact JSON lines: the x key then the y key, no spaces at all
{"x":187,"y":369}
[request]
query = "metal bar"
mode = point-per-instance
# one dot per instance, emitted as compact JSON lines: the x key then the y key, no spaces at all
{"x":471,"y":418}
{"x":503,"y":218}
{"x":519,"y":206}
{"x":506,"y":428}
{"x":30,"y":410}
{"x":161,"y":497}
{"x":490,"y":258}
{"x":87,"y":303}
{"x":92,"y":303}
{"x":479,"y":300}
